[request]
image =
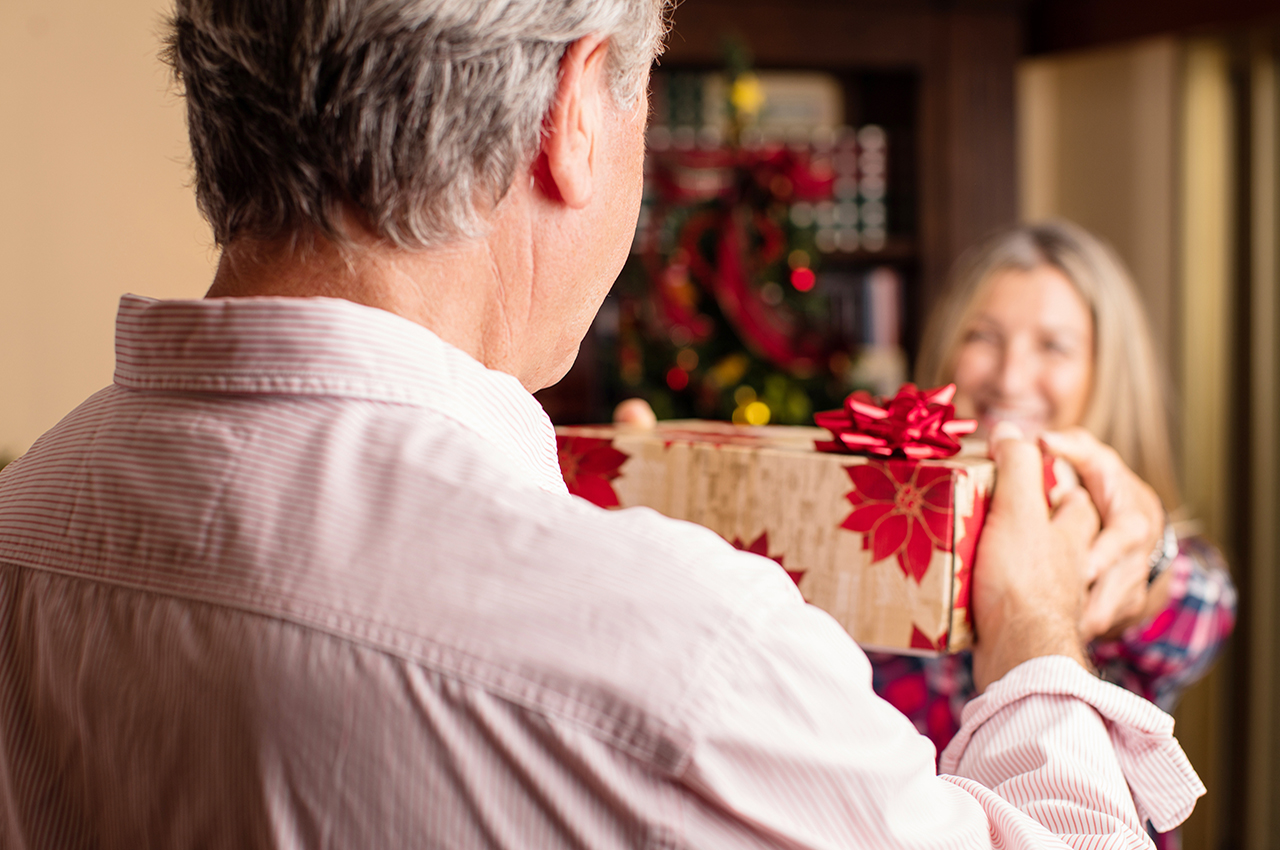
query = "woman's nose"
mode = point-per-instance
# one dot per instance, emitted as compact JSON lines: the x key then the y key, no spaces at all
{"x":1018,"y":369}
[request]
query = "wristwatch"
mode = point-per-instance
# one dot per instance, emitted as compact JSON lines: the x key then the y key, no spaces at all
{"x":1164,"y":553}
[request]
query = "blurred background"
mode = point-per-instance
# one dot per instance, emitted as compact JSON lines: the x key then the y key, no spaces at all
{"x":831,"y":158}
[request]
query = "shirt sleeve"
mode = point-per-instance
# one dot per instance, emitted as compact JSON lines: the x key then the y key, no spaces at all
{"x":1033,"y":737}
{"x":1162,"y":657}
{"x":792,"y":745}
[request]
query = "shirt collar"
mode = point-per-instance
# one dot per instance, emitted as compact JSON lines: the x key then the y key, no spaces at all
{"x":328,"y":347}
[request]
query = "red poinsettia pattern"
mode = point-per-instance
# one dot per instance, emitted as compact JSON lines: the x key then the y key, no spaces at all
{"x":588,"y":465}
{"x":760,"y":546}
{"x":919,"y":640}
{"x":967,"y":551}
{"x":903,"y":508}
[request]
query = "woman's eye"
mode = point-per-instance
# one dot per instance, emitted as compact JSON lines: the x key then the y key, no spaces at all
{"x":1060,"y":347}
{"x":982,"y":335}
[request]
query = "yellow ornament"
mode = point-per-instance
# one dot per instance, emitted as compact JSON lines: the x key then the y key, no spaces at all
{"x":747,"y":95}
{"x":756,"y":413}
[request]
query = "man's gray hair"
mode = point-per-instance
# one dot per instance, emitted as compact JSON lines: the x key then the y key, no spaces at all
{"x":417,"y":113}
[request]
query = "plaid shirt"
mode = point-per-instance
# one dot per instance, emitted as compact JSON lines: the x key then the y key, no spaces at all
{"x":1157,"y":659}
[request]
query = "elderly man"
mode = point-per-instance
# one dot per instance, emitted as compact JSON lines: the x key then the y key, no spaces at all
{"x":305,"y":575}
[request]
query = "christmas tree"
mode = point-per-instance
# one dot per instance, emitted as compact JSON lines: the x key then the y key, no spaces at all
{"x":724,"y":310}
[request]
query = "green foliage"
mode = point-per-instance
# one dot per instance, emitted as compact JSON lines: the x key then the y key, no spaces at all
{"x":717,"y":372}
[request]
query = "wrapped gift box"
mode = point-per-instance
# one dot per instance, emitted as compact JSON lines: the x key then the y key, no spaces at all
{"x":885,"y":545}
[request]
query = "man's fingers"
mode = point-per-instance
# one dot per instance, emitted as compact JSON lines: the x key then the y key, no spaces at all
{"x":1019,"y":473}
{"x":1077,"y":517}
{"x":1027,"y":593}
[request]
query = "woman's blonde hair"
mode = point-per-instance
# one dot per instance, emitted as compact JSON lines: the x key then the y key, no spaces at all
{"x":1128,"y":403}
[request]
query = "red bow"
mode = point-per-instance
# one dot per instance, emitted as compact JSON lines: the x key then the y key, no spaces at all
{"x":916,"y":424}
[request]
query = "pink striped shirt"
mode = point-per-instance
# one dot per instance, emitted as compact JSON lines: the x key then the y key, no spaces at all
{"x":307,"y":576}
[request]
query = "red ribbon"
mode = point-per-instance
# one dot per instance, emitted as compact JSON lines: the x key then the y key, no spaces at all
{"x":915,"y":424}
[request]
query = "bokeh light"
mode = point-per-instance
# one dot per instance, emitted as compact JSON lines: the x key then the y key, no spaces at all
{"x":756,"y":413}
{"x":803,"y":279}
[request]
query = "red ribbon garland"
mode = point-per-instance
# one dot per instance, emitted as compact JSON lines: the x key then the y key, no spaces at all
{"x":772,"y":333}
{"x":916,"y":424}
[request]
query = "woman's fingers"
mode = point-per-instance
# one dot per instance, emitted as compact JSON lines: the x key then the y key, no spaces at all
{"x":1127,"y":534}
{"x":1132,"y":521}
{"x":1077,"y":517}
{"x":1098,"y":465}
{"x":1118,"y":597}
{"x":635,"y":411}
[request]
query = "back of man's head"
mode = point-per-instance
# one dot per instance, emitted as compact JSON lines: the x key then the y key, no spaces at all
{"x":414,"y":113}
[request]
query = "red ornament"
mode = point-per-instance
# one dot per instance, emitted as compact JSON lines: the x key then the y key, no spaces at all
{"x":916,"y":424}
{"x":803,"y":279}
{"x":588,"y":464}
{"x":903,"y":509}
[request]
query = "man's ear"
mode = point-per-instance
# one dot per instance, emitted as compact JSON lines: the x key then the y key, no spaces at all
{"x":573,"y":126}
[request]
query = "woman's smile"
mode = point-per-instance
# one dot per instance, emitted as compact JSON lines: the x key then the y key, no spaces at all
{"x":1026,"y":353}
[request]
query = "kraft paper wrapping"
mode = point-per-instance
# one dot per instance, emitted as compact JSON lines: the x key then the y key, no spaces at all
{"x":769,"y":487}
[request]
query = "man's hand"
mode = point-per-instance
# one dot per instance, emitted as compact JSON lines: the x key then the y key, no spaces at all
{"x":1132,"y":526}
{"x":1028,"y":585}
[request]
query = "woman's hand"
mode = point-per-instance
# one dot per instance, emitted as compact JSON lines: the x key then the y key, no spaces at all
{"x":635,"y":411}
{"x":1132,"y":526}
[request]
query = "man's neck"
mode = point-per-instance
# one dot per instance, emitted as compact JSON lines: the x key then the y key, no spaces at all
{"x":463,"y":293}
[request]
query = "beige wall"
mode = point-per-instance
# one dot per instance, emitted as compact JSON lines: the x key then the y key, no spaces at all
{"x":1134,"y":142}
{"x":94,"y":199}
{"x":1096,"y":144}
{"x":1207,"y":274}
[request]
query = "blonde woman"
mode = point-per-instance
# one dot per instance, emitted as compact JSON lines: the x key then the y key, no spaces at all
{"x":1042,"y":327}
